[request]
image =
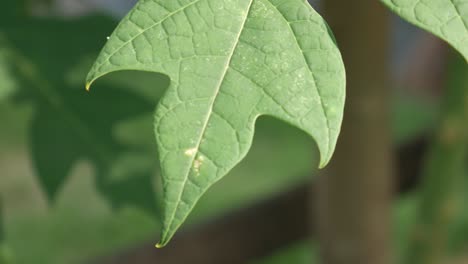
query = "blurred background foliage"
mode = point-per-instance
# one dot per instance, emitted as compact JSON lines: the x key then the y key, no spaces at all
{"x":79,"y":171}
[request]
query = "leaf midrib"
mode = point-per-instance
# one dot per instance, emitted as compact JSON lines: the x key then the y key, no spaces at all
{"x":209,"y":115}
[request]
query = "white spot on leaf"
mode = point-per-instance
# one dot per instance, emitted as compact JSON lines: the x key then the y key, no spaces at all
{"x":190,"y":152}
{"x":197,"y":163}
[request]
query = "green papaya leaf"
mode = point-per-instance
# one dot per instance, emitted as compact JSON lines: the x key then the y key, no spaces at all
{"x":229,"y":62}
{"x":447,"y":19}
{"x":69,"y":125}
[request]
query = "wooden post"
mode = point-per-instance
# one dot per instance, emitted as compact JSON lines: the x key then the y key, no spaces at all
{"x":354,"y":193}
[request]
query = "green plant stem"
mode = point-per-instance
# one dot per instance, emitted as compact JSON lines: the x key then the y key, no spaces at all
{"x":444,"y":174}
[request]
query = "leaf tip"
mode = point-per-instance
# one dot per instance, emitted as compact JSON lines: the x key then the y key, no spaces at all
{"x":159,"y":245}
{"x":165,"y":239}
{"x":322,"y":165}
{"x":88,"y":86}
{"x":324,"y":160}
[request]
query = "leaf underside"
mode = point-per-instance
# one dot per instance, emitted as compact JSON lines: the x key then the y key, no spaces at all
{"x":229,"y":62}
{"x":447,"y":19}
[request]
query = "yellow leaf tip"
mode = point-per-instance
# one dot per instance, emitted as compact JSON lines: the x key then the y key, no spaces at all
{"x":88,"y":86}
{"x":159,"y":245}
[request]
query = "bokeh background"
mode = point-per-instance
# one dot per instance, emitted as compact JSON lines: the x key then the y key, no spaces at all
{"x":106,"y":208}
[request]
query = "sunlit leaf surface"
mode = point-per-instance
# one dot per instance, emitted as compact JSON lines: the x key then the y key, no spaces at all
{"x":447,"y":19}
{"x":229,"y":62}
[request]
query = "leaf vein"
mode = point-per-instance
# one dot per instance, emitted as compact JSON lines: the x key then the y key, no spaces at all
{"x":146,"y":29}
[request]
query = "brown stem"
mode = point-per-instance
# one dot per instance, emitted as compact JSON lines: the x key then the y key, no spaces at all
{"x":354,"y":194}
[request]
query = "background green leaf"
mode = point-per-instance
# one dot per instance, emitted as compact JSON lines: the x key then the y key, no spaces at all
{"x":447,"y":19}
{"x":68,"y":124}
{"x":229,"y":62}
